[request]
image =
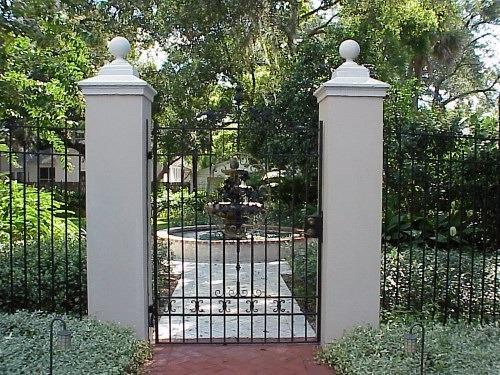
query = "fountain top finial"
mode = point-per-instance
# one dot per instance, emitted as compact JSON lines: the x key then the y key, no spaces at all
{"x":234,"y":164}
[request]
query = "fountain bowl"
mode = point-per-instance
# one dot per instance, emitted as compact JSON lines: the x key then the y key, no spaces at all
{"x":184,"y":244}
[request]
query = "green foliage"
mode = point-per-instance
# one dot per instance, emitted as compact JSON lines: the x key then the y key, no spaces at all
{"x":458,"y":283}
{"x":46,"y":47}
{"x":450,"y":349}
{"x":222,"y":148}
{"x":283,"y":125}
{"x":97,"y":348}
{"x":38,"y":81}
{"x":27,"y":212}
{"x":440,"y":183}
{"x":46,"y":276}
{"x":303,"y":261}
{"x":181,"y":208}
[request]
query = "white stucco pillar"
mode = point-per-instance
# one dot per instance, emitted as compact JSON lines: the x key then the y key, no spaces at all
{"x":118,"y":111}
{"x":351,"y":108}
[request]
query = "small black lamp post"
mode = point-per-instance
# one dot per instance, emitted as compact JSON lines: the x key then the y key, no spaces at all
{"x":411,"y":343}
{"x":63,"y":339}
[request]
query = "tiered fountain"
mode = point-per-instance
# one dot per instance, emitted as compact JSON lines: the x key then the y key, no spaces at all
{"x":236,"y":240}
{"x":238,"y":202}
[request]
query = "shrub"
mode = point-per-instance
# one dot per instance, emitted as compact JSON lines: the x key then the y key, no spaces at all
{"x":181,"y":208}
{"x":27,"y":212}
{"x":49,"y":277}
{"x":450,"y":349}
{"x":304,"y":264}
{"x":97,"y":348}
{"x":458,"y":284}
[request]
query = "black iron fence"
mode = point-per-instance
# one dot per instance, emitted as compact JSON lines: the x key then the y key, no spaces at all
{"x":441,"y":230}
{"x":42,"y":220}
{"x":441,"y":225}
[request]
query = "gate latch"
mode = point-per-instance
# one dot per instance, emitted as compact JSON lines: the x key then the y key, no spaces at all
{"x":313,"y":226}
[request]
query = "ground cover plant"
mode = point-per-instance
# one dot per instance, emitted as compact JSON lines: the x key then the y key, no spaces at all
{"x":455,"y":348}
{"x":97,"y":348}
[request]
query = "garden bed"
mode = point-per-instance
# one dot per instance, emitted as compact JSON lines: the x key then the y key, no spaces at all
{"x":97,"y":348}
{"x":449,"y":349}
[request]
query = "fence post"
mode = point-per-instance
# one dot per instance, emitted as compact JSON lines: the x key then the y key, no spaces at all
{"x":351,"y":108}
{"x":117,"y":117}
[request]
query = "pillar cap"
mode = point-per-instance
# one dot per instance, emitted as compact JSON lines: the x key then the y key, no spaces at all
{"x":118,"y":77}
{"x":350,"y":78}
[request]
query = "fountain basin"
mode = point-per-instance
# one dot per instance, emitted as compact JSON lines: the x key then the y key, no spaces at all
{"x":186,"y":244}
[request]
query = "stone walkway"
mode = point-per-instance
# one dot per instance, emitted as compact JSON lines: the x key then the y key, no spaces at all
{"x":269,"y":359}
{"x":221,"y":317}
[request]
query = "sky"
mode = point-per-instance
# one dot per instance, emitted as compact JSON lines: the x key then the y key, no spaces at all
{"x":494,"y":41}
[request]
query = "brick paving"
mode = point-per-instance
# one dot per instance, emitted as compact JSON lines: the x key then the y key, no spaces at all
{"x":239,"y":359}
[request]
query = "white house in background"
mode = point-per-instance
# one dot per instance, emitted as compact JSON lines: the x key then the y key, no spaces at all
{"x":211,"y":178}
{"x":175,"y":171}
{"x":208,"y":179}
{"x":45,"y":166}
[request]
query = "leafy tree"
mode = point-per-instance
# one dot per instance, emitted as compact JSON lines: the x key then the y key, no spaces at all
{"x":38,"y":84}
{"x":46,"y":47}
{"x":434,"y":42}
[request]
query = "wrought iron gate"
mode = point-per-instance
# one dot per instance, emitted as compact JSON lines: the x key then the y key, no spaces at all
{"x":236,"y":224}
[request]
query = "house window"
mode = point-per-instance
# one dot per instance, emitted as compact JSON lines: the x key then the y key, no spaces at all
{"x":47,"y":174}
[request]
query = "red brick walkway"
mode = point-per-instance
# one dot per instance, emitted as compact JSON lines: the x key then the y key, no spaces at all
{"x":243,"y":359}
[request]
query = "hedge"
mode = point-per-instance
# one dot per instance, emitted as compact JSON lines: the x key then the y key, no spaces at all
{"x":46,"y":276}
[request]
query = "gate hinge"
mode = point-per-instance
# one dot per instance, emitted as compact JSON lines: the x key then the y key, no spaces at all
{"x":313,"y":226}
{"x":150,"y":155}
{"x":152,"y":315}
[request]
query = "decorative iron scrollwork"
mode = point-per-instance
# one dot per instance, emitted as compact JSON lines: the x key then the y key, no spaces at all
{"x":196,"y":307}
{"x":170,"y":308}
{"x":279,"y":307}
{"x":225,"y":307}
{"x":251,"y":307}
{"x":257,"y":293}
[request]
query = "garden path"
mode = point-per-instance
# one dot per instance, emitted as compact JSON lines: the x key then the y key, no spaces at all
{"x":209,"y":319}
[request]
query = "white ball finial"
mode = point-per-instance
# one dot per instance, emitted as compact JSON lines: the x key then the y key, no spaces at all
{"x":119,"y":47}
{"x":349,"y":50}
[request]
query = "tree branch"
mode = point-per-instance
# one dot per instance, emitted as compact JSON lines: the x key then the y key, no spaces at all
{"x":323,"y":6}
{"x":319,"y":29}
{"x":471,"y":92}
